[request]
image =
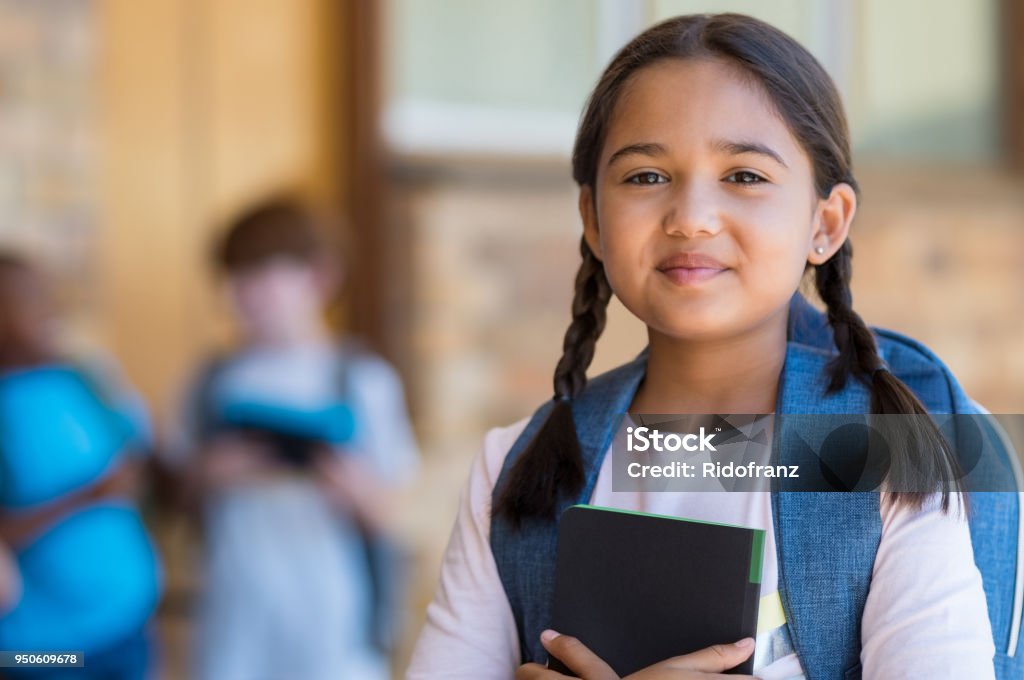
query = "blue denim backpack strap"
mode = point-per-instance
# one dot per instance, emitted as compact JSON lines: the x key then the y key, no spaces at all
{"x":526,"y":557}
{"x":908,"y":359}
{"x":996,"y":515}
{"x":826,"y":541}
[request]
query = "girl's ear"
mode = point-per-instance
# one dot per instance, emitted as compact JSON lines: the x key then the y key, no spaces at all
{"x":588,"y":213}
{"x":832,"y":218}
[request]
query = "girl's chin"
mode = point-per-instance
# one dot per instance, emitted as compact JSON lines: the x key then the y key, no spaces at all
{"x":709,"y":323}
{"x":699,"y":330}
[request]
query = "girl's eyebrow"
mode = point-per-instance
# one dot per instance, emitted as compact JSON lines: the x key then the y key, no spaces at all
{"x":643,"y":149}
{"x":731,"y":147}
{"x":737,"y":147}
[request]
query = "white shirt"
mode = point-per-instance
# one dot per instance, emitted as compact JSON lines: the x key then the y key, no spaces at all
{"x":925,"y":615}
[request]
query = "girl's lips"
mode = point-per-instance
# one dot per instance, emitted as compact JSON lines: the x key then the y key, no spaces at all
{"x":682,"y":276}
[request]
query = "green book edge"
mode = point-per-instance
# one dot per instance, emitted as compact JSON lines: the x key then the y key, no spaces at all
{"x":756,"y":547}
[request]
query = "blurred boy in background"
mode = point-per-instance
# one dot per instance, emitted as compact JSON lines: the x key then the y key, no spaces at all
{"x":78,"y":571}
{"x":293,"y":442}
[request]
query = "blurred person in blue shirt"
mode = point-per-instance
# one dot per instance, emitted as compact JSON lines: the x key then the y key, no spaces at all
{"x":294,"y":443}
{"x":79,"y":571}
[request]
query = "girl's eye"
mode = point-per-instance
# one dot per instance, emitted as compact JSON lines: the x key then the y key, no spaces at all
{"x":745,"y":177}
{"x":646,"y":178}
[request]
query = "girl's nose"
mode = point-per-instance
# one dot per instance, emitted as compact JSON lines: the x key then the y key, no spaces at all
{"x":692,"y":212}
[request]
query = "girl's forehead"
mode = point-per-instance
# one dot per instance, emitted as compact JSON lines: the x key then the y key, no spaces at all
{"x":687,"y":104}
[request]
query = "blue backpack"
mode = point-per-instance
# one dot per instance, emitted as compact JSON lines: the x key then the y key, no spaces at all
{"x":93,"y":578}
{"x":824,"y":581}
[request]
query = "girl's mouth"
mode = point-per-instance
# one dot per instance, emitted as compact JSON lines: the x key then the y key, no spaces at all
{"x":690,"y":268}
{"x":687,"y":275}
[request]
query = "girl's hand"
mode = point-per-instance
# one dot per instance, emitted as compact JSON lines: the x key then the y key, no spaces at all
{"x":19,"y":528}
{"x":354,"y":487}
{"x":231,"y":459}
{"x":700,"y":665}
{"x":124,"y":481}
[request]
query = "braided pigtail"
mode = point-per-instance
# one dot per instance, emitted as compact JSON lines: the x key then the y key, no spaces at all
{"x":920,"y":457}
{"x":552,"y":463}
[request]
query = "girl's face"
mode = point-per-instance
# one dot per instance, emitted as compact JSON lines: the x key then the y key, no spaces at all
{"x":277,"y":301}
{"x":27,"y":317}
{"x":704,"y":211}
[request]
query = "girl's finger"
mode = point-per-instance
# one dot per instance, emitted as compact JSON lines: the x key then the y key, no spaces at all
{"x":576,"y":656}
{"x":715,"y":658}
{"x":534,"y":671}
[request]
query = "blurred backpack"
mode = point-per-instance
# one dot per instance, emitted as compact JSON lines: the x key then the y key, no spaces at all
{"x":62,"y":429}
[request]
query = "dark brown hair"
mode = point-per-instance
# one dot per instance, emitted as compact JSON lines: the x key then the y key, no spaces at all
{"x":279,"y":227}
{"x":807,"y":100}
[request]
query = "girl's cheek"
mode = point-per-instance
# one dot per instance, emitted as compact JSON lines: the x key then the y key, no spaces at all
{"x":766,"y":250}
{"x":777,"y":269}
{"x":633,"y":203}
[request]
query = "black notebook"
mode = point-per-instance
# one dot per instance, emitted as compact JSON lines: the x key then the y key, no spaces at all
{"x":638,"y":589}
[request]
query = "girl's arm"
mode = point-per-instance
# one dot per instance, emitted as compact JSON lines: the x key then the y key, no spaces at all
{"x":10,"y":579}
{"x":19,"y":527}
{"x":470,"y":631}
{"x":369,"y":481}
{"x":925,"y":615}
{"x":378,"y":396}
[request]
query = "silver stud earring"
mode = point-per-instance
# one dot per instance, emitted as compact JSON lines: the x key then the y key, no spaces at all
{"x":820,"y":250}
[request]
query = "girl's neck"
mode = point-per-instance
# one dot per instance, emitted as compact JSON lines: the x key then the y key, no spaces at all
{"x":314,"y":335}
{"x":733,"y":375}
